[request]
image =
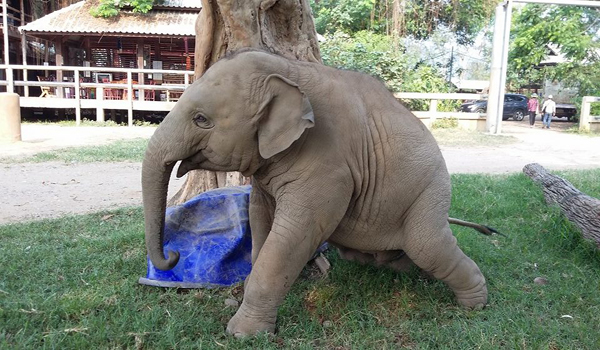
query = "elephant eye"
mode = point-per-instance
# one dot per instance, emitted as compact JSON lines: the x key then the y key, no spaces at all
{"x":201,"y":121}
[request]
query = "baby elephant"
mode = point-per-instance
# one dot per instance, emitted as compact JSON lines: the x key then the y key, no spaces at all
{"x":333,"y":157}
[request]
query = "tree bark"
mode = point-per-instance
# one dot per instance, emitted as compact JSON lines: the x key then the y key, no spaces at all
{"x":578,"y":207}
{"x":283,"y":27}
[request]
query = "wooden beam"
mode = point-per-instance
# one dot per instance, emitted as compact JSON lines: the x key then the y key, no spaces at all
{"x":9,"y":72}
{"x":60,"y":61}
{"x":140,"y":65}
{"x":24,"y":58}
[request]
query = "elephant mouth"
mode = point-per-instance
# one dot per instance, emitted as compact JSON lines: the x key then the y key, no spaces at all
{"x":191,"y":163}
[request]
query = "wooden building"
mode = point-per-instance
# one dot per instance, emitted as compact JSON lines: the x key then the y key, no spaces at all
{"x":163,"y":38}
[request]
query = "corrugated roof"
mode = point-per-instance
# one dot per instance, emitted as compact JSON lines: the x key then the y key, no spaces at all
{"x":76,"y":19}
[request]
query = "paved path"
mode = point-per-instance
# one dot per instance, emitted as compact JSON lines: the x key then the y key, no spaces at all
{"x":553,"y":148}
{"x":52,"y":189}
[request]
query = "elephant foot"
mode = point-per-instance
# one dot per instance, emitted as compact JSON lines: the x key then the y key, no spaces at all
{"x":473,"y":299}
{"x":244,"y":323}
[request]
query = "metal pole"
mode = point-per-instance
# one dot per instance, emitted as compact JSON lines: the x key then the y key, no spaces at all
{"x":495,"y":71}
{"x":503,"y":64}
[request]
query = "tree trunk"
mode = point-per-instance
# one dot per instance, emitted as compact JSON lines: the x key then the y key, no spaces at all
{"x":578,"y":207}
{"x":283,"y":27}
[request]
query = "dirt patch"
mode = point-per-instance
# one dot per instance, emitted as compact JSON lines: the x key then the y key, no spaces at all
{"x":43,"y":190}
{"x":52,"y":189}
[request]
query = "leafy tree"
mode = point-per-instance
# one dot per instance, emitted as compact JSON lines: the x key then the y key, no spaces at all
{"x":574,"y":30}
{"x":415,"y":18}
{"x":374,"y":54}
{"x":111,"y":8}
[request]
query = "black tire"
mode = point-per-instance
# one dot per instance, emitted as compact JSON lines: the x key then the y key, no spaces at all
{"x":519,"y":115}
{"x":480,"y":110}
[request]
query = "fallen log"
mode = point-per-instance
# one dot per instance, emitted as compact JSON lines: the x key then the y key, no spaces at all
{"x":578,"y":207}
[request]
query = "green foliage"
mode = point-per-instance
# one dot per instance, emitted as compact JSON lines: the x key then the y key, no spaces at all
{"x":119,"y":151}
{"x":574,"y":30}
{"x":366,"y":52}
{"x":595,"y":109}
{"x":445,"y":123}
{"x":347,"y":15}
{"x":418,"y":19}
{"x":111,"y":8}
{"x":376,"y":55}
{"x":71,"y":283}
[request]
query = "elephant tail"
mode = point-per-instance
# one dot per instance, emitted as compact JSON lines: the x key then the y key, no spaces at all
{"x":486,"y":230}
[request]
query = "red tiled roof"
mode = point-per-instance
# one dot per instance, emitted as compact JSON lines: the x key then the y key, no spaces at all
{"x":77,"y":20}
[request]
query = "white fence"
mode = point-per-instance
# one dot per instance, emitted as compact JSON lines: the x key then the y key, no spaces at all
{"x":472,"y":121}
{"x":588,"y":122}
{"x":76,"y":92}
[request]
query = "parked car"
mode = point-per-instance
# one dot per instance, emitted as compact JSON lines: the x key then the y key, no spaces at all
{"x":515,"y":106}
{"x":565,"y":110}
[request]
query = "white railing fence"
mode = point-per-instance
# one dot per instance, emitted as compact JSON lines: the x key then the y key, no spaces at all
{"x":475,"y":121}
{"x":80,"y":88}
{"x":588,"y":122}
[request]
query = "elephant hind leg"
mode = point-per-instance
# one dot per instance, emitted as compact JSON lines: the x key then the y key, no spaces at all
{"x":430,"y":244}
{"x":436,"y":252}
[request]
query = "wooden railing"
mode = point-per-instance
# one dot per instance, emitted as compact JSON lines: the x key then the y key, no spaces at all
{"x":475,"y":121}
{"x":78,"y":93}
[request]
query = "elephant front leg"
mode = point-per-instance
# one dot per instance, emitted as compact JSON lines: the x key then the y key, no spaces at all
{"x":261,"y":212}
{"x":294,"y":237}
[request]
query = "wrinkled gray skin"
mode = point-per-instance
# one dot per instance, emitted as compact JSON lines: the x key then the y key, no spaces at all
{"x":333,"y":157}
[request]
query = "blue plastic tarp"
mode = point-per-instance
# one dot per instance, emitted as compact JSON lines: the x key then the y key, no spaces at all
{"x":212,"y":234}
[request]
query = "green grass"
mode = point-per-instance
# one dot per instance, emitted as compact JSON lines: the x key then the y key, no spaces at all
{"x":71,"y":283}
{"x":118,"y":151}
{"x":460,"y":137}
{"x":575,"y":130}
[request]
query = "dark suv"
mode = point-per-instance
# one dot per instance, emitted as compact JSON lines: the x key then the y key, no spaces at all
{"x":515,"y":106}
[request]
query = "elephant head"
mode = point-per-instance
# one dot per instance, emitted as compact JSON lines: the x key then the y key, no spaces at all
{"x":236,"y":117}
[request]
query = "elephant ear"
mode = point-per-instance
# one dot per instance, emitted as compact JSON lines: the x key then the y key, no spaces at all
{"x":283,"y":115}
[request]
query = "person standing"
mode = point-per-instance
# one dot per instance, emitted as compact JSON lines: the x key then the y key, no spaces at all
{"x":549,"y":110}
{"x":533,"y":107}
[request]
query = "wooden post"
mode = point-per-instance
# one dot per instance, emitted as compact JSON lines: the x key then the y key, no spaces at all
{"x":140,"y":65}
{"x":188,"y":61}
{"x":585,"y":116}
{"x":99,"y":109}
{"x":9,"y":71}
{"x":24,"y":46}
{"x":24,"y":57}
{"x":433,"y":111}
{"x":59,"y":63}
{"x":129,"y":99}
{"x":46,"y":54}
{"x":77,"y":97}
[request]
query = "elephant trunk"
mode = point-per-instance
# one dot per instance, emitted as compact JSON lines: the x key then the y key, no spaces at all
{"x":156,"y":173}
